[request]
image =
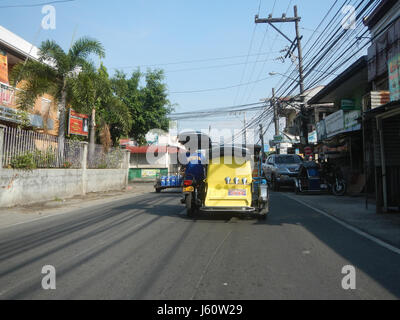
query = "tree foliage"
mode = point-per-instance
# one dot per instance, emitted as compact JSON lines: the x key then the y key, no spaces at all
{"x":125,"y":106}
{"x":92,"y":90}
{"x":148,"y":104}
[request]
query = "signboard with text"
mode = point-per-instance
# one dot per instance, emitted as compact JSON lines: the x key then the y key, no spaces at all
{"x":334,"y":123}
{"x":312,"y":137}
{"x":78,"y":124}
{"x":394,"y":78}
{"x":352,"y":119}
{"x":348,"y":104}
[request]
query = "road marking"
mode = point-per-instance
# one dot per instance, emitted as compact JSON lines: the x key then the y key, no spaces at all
{"x":349,"y":226}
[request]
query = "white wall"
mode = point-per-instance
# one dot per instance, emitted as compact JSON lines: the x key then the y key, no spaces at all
{"x":24,"y":187}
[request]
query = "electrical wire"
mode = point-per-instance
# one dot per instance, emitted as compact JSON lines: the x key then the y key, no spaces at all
{"x":34,"y":5}
{"x":217,"y":89}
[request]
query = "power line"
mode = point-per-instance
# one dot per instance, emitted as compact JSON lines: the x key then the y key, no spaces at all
{"x":247,"y":59}
{"x":220,"y":108}
{"x":215,"y":66}
{"x":190,"y":61}
{"x":218,"y":89}
{"x":260,"y":49}
{"x":218,"y":111}
{"x":263,"y":66}
{"x":34,"y":5}
{"x":330,"y":55}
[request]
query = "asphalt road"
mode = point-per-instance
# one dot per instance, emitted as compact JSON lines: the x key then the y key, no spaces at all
{"x":145,"y":248}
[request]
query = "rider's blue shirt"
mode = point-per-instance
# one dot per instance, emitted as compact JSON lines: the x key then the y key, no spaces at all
{"x":195,"y":167}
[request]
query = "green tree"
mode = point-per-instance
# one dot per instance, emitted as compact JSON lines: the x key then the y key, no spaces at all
{"x":148,"y":105}
{"x":55,"y":76}
{"x":92,"y":93}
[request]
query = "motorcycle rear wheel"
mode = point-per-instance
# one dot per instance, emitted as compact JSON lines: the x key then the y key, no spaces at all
{"x":339,"y":189}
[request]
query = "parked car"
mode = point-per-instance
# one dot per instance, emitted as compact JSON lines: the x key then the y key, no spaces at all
{"x":281,"y":170}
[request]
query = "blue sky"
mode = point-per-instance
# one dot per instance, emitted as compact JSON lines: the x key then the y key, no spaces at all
{"x":147,"y":32}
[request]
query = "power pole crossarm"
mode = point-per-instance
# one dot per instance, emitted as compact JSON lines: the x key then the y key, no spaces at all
{"x":277,"y":20}
{"x":297,"y":43}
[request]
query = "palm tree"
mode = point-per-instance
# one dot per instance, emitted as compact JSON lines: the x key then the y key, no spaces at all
{"x":93,"y":93}
{"x":53,"y":74}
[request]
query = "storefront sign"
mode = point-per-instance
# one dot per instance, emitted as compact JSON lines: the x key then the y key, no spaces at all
{"x":278,"y":139}
{"x":334,"y":123}
{"x":3,"y":67}
{"x":394,"y":78}
{"x":78,"y":124}
{"x":348,"y":104}
{"x":312,"y":137}
{"x":352,"y":120}
{"x":150,"y":173}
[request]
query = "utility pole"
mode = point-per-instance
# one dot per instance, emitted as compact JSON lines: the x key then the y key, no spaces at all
{"x":303,"y":110}
{"x":276,"y":114}
{"x":293,"y":44}
{"x":276,"y":117}
{"x":245,"y":129}
{"x":262,"y":143}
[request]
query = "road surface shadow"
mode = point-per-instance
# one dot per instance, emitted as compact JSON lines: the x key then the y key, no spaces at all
{"x":377,"y":262}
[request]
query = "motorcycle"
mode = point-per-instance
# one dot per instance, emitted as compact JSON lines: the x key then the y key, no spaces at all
{"x":313,"y":178}
{"x":333,"y":177}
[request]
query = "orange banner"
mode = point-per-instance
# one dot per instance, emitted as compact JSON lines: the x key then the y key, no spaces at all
{"x":78,"y":124}
{"x":3,"y":67}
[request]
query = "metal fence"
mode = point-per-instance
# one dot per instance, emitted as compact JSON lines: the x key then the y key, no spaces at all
{"x":24,"y":149}
{"x":33,"y":150}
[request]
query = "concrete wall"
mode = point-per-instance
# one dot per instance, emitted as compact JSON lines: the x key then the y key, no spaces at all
{"x":24,"y":187}
{"x":105,"y":180}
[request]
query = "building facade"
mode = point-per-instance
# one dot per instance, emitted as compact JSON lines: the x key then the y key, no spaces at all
{"x":43,"y":115}
{"x":382,"y":105}
{"x":338,"y":136}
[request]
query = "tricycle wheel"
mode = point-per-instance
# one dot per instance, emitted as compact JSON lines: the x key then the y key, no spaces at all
{"x":190,"y":207}
{"x":263,"y":211}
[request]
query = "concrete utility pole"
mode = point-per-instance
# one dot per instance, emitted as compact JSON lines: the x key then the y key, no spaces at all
{"x":262,"y":142}
{"x":276,"y":117}
{"x":276,"y":114}
{"x":293,"y":44}
{"x":245,"y":129}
